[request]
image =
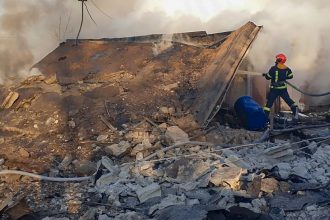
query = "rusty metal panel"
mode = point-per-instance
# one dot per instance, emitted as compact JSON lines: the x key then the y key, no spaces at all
{"x":221,"y":72}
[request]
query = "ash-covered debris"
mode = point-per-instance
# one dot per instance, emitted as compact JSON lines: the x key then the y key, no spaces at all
{"x":172,"y":175}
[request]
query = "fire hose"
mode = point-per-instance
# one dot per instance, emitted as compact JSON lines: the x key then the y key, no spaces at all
{"x":290,"y":84}
{"x":307,"y":93}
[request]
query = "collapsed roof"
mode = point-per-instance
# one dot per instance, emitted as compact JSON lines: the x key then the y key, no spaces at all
{"x":138,"y":75}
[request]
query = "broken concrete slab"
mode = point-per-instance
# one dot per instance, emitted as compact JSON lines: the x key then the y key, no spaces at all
{"x":145,"y":145}
{"x":84,"y":167}
{"x":119,"y":149}
{"x":185,"y":170}
{"x":89,"y":214}
{"x":102,"y":137}
{"x":290,"y":202}
{"x":66,"y":162}
{"x":235,"y":161}
{"x":170,"y":200}
{"x":284,"y":170}
{"x":174,"y":134}
{"x":202,"y":195}
{"x":106,"y":180}
{"x":24,"y":153}
{"x":224,"y":176}
{"x":149,"y":192}
{"x":269,"y":185}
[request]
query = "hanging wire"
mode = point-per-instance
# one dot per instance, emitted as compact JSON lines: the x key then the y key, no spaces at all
{"x":82,"y":20}
{"x":89,"y":13}
{"x":104,"y":13}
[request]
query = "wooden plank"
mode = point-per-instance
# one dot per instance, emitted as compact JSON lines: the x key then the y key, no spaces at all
{"x":221,"y":72}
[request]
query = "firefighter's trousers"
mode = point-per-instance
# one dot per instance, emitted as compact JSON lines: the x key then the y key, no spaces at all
{"x":283,"y":93}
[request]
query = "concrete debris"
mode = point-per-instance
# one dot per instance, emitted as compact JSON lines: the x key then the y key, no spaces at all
{"x":225,"y":176}
{"x":104,"y":217}
{"x":280,"y":153}
{"x":51,"y":121}
{"x":310,"y":212}
{"x":144,"y":146}
{"x":84,"y":167}
{"x":126,"y":124}
{"x":284,"y":170}
{"x":167,"y":111}
{"x":128,"y":216}
{"x":290,"y":202}
{"x":170,"y":200}
{"x":235,"y":161}
{"x":170,"y":86}
{"x":102,"y":137}
{"x":192,"y":202}
{"x":204,"y":196}
{"x":119,"y":149}
{"x":109,"y":164}
{"x":149,"y":192}
{"x":185,"y":170}
{"x":9,"y":100}
{"x":66,"y":162}
{"x":301,"y":170}
{"x":89,"y":215}
{"x":269,"y":185}
{"x":23,"y":153}
{"x":72,"y":124}
{"x":2,"y":161}
{"x":174,"y":134}
{"x":259,"y":205}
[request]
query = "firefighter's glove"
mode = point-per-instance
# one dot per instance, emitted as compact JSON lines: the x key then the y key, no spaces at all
{"x":264,"y":74}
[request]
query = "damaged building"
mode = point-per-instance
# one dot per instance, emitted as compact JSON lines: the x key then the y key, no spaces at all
{"x":144,"y":128}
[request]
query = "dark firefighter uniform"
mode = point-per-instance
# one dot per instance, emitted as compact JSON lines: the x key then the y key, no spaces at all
{"x":278,"y":74}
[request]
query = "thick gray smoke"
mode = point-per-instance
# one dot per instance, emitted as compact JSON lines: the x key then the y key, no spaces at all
{"x":298,"y":28}
{"x":26,"y":31}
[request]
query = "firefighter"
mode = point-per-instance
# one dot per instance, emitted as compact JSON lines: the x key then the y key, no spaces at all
{"x":278,"y":74}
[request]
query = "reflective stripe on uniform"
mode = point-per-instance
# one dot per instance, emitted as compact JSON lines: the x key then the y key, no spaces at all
{"x":280,"y":87}
{"x":269,"y":76}
{"x":276,"y":76}
{"x":294,"y":105}
{"x":290,"y":75}
{"x":267,"y":109}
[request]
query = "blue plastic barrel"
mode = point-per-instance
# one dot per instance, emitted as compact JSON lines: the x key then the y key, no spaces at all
{"x":250,"y":113}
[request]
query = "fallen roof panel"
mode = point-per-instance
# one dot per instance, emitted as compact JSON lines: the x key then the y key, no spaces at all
{"x":220,"y":73}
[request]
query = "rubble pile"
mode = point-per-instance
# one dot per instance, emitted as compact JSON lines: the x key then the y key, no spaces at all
{"x":156,"y":172}
{"x":108,"y":131}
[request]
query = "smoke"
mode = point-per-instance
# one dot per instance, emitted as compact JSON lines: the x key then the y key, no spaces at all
{"x":298,"y":28}
{"x":25,"y":32}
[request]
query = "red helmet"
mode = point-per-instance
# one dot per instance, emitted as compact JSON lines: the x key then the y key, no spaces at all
{"x":280,"y":58}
